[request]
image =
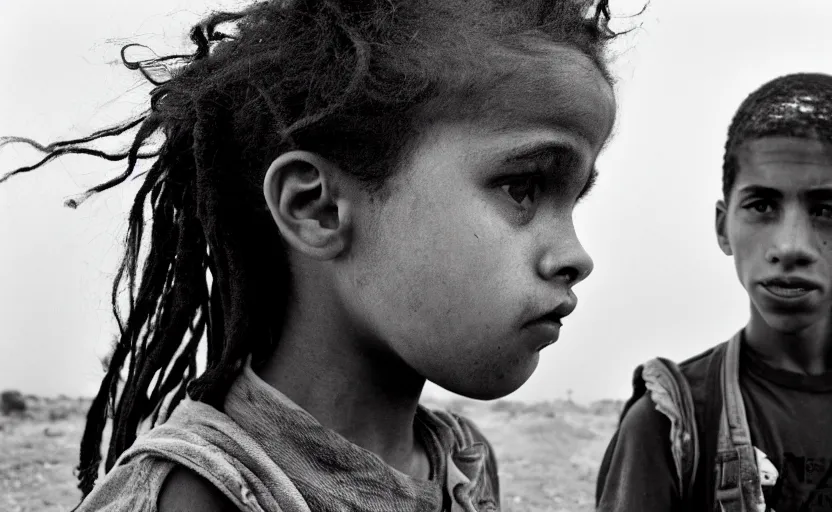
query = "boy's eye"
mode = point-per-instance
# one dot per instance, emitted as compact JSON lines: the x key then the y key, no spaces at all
{"x":760,"y":206}
{"x":523,"y":190}
{"x":824,"y":211}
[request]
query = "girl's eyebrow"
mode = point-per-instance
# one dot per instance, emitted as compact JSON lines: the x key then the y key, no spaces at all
{"x":555,"y":150}
{"x":590,"y":182}
{"x":546,"y":149}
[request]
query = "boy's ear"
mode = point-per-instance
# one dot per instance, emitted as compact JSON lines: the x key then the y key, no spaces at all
{"x":721,"y":228}
{"x":302,"y":192}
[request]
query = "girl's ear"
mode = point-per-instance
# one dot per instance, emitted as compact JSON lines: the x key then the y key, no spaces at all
{"x":721,"y":227}
{"x":302,"y":192}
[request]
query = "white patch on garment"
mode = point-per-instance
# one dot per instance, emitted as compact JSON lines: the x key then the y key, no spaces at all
{"x":768,"y":477}
{"x":768,"y":473}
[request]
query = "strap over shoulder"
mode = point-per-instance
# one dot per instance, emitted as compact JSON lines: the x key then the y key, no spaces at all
{"x":738,"y":483}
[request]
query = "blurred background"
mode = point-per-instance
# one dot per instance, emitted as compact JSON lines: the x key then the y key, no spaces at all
{"x":660,"y":285}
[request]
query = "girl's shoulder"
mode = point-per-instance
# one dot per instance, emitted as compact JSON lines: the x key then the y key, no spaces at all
{"x":465,"y":431}
{"x":472,"y":445}
{"x":186,"y":491}
{"x":148,"y":483}
{"x":130,"y":487}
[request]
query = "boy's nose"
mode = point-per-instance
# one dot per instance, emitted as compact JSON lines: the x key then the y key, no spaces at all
{"x":793,"y":243}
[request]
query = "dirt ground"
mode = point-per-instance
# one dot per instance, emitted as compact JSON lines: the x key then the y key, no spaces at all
{"x":548,"y":453}
{"x":37,"y":454}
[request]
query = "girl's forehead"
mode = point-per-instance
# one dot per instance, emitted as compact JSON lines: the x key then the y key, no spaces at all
{"x":552,"y":86}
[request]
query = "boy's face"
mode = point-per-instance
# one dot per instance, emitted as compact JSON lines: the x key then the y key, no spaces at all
{"x":778,"y":226}
{"x":464,"y":271}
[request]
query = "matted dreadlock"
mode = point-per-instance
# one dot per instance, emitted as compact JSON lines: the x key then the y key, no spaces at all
{"x":795,"y":105}
{"x":344,"y":79}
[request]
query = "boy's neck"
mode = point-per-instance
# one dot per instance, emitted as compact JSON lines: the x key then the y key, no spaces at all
{"x":808,"y":351}
{"x":366,"y":396}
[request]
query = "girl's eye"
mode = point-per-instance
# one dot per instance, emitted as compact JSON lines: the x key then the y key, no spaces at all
{"x":523,"y":190}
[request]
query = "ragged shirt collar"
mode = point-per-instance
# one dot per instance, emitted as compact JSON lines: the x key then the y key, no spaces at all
{"x":334,"y":474}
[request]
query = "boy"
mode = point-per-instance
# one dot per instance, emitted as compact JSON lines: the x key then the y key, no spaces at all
{"x":754,"y":429}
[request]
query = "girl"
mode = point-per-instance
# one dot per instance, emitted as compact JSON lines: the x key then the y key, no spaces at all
{"x":349,"y":199}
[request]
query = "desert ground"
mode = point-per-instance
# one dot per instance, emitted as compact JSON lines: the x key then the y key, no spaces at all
{"x":548,"y":453}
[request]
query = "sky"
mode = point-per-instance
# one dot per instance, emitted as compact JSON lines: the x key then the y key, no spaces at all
{"x":660,"y":287}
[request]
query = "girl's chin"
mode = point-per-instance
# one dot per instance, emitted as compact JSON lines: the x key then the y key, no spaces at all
{"x":498,"y":385}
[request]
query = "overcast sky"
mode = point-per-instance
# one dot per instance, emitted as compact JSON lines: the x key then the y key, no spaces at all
{"x":660,"y":285}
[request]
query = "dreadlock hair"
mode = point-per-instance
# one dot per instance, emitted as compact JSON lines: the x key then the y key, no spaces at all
{"x":349,"y":80}
{"x":795,"y":105}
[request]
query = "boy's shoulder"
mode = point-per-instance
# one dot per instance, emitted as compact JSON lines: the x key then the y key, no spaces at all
{"x":643,"y":424}
{"x":695,"y":369}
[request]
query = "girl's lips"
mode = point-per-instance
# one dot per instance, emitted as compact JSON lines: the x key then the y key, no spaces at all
{"x":543,"y":332}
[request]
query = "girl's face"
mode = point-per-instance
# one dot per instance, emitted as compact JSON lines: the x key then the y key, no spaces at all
{"x":465,"y":269}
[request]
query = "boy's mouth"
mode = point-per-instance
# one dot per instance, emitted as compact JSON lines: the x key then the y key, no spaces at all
{"x":789,"y":287}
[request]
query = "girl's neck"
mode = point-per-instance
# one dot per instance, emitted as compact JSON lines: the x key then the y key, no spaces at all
{"x":366,"y":395}
{"x":808,"y":351}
